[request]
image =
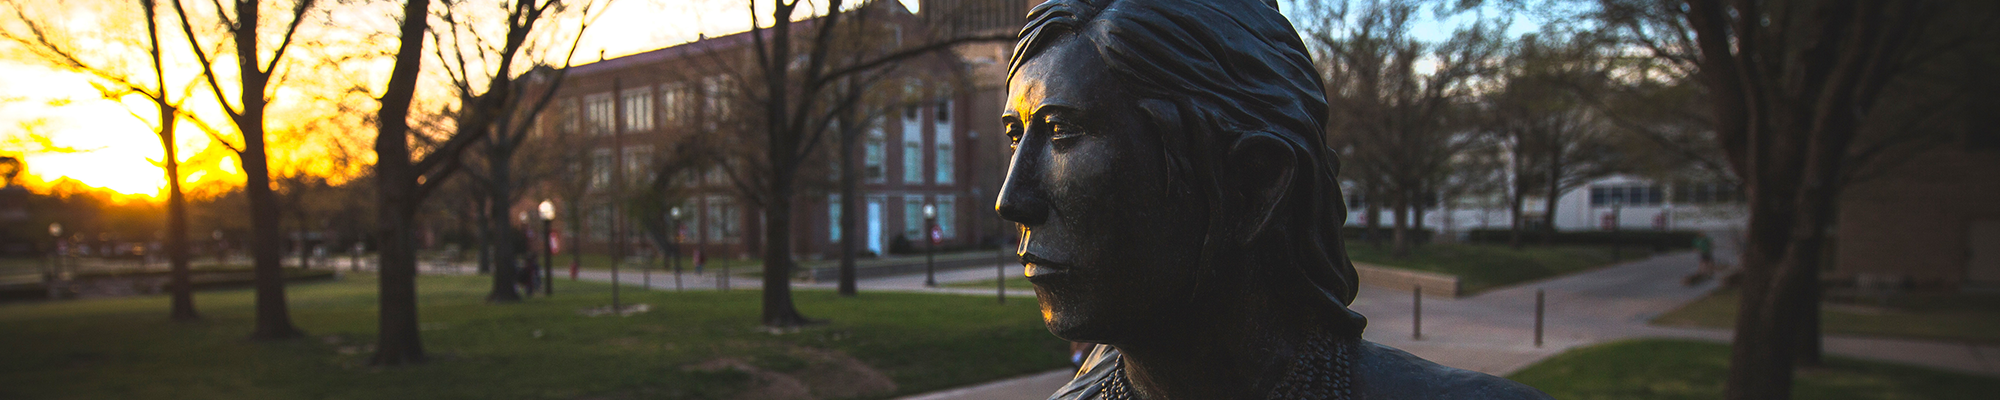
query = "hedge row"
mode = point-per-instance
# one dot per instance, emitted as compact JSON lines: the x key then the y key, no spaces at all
{"x":1655,"y":239}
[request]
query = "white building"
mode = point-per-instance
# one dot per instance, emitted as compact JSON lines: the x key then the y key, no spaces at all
{"x":1634,"y":203}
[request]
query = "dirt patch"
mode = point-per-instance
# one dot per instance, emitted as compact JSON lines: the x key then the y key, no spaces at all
{"x":825,"y":374}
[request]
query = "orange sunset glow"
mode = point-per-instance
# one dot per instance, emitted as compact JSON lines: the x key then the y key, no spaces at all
{"x":66,"y":131}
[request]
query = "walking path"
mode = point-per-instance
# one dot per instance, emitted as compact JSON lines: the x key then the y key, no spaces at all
{"x":1493,"y":332}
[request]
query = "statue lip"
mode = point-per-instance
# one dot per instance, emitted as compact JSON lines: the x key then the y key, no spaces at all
{"x":1038,"y":266}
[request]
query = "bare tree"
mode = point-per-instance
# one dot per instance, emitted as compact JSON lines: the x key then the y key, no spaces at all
{"x":402,"y":183}
{"x":1560,"y":141}
{"x":243,"y":23}
{"x":1792,"y":84}
{"x":793,"y":116}
{"x":55,"y":46}
{"x":501,"y":103}
{"x":1398,"y":123}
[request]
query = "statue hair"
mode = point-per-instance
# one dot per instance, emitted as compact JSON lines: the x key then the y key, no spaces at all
{"x":1230,"y":69}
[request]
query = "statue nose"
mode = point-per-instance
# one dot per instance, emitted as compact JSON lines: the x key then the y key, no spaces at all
{"x":1020,"y":195}
{"x":1020,"y":206}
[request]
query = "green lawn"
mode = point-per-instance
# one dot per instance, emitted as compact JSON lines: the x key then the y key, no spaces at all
{"x":1958,"y":317}
{"x":539,"y":349}
{"x":1014,"y":282}
{"x":1672,"y":369}
{"x":1482,"y":266}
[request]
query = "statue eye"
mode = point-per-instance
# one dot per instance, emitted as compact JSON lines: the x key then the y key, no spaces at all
{"x":1060,"y":131}
{"x":1013,"y":135}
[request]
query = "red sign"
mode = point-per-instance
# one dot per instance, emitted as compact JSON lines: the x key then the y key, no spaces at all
{"x":555,"y":242}
{"x":937,"y":235}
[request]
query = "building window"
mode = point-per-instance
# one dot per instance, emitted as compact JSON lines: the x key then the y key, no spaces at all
{"x":671,"y":104}
{"x":947,"y":215}
{"x":600,"y":222}
{"x":691,"y":228}
{"x":715,"y":102}
{"x":639,"y":109}
{"x":600,"y":169}
{"x":1706,"y":193}
{"x":639,"y":164}
{"x":872,"y":158}
{"x":716,"y":176}
{"x":598,"y":113}
{"x":942,"y":142}
{"x":913,"y":148}
{"x":913,"y":217}
{"x":568,"y":117}
{"x":833,"y":218}
{"x":723,"y":219}
{"x":1631,"y":195}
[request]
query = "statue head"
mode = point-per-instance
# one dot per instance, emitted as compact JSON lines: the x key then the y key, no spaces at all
{"x":1168,"y":159}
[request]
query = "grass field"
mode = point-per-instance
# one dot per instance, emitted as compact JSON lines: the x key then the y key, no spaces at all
{"x":538,"y":349}
{"x":1480,"y":266}
{"x":1957,"y":317}
{"x":1672,"y":370}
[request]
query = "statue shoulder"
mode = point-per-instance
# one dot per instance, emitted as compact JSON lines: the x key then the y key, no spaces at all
{"x":1383,"y":372}
{"x":1090,"y":377}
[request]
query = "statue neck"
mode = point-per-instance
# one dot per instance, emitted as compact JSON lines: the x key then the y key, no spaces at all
{"x":1239,"y":349}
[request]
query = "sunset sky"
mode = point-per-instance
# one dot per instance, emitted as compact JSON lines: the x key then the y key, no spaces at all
{"x":100,"y":143}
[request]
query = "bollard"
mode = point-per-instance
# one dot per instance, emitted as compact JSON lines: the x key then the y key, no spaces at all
{"x":614,"y":285}
{"x":1000,"y":275}
{"x":1417,"y":313}
{"x":1538,"y":317}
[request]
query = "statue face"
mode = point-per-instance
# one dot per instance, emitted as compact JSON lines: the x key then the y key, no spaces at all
{"x":1111,"y":252}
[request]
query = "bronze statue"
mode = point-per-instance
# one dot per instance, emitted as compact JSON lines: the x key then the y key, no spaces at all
{"x":1178,"y":206}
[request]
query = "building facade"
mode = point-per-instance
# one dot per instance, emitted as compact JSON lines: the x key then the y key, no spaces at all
{"x":623,"y":118}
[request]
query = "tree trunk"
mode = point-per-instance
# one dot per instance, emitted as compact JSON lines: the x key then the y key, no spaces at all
{"x":1518,"y":198}
{"x":274,"y":320}
{"x":501,"y":236}
{"x":1417,"y":220}
{"x":398,"y":342}
{"x":1374,"y":216}
{"x":1554,"y":195}
{"x":778,"y":308}
{"x":1399,"y":240}
{"x":305,"y":253}
{"x":485,"y":222}
{"x":850,"y":205}
{"x":180,"y":284}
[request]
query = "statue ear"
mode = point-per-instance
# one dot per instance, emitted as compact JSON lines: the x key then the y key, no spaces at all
{"x":1257,"y":175}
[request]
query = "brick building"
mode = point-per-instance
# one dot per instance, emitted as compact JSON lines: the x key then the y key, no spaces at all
{"x":621,"y":116}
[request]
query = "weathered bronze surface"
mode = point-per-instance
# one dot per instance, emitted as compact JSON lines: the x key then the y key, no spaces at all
{"x":1178,"y":206}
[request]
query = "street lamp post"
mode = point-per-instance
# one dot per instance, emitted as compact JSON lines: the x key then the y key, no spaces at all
{"x":221,"y":253}
{"x":674,"y":235}
{"x":55,"y":260}
{"x":548,"y":248}
{"x":930,"y":245}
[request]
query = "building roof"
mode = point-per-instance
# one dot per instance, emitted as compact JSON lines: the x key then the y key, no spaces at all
{"x":704,"y":46}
